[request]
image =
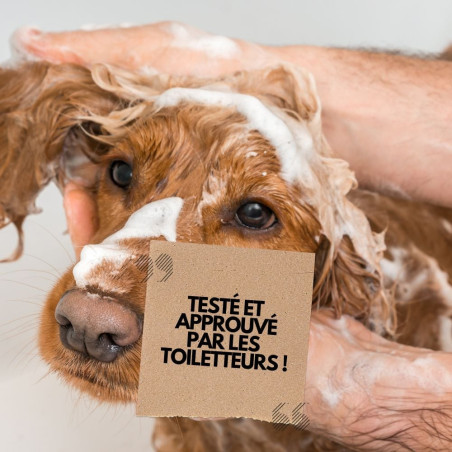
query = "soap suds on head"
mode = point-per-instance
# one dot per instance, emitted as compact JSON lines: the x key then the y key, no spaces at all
{"x":321,"y":181}
{"x":294,"y":164}
{"x":211,"y":45}
{"x":155,"y":219}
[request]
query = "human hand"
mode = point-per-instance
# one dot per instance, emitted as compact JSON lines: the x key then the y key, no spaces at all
{"x":370,"y":393}
{"x":361,"y":389}
{"x":81,"y":216}
{"x":167,"y":47}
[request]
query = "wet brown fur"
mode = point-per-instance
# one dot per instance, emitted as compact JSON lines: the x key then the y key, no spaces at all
{"x":47,"y":111}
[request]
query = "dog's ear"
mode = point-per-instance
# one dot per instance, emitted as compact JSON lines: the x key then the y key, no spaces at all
{"x":41,"y":127}
{"x":287,"y":87}
{"x":347,"y":282}
{"x":347,"y":276}
{"x":291,"y":89}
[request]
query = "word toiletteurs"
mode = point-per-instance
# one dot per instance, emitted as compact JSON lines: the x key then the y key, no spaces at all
{"x":225,"y":332}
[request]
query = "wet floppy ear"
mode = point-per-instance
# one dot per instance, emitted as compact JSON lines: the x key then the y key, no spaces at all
{"x":288,"y":88}
{"x":81,"y":149}
{"x":24,"y":161}
{"x":347,"y":282}
{"x":291,"y":89}
{"x":40,"y":107}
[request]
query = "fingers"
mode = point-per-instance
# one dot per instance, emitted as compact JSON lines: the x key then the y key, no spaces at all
{"x":168,"y":47}
{"x":52,"y":47}
{"x":81,"y":216}
{"x":132,"y":47}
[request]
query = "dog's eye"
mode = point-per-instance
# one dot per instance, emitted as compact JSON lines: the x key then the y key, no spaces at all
{"x":255,"y":215}
{"x":121,"y":173}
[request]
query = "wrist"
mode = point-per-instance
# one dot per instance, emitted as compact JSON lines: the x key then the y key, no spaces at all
{"x":396,"y":399}
{"x":366,"y":392}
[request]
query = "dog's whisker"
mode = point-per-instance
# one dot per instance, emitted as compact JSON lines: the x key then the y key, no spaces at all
{"x":58,"y":273}
{"x":24,"y":358}
{"x":41,"y":278}
{"x":12,"y":352}
{"x":115,"y":411}
{"x":30,"y":270}
{"x":45,"y":229}
{"x":126,"y":423}
{"x":17,"y":332}
{"x":23,"y":318}
{"x":40,"y":289}
{"x":45,"y":375}
{"x":22,"y":300}
{"x":17,"y":351}
{"x":92,"y":406}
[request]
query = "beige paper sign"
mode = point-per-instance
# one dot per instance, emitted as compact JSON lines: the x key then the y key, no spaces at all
{"x":225,"y":332}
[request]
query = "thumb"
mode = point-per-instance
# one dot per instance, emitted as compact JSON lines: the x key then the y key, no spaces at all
{"x":81,"y":216}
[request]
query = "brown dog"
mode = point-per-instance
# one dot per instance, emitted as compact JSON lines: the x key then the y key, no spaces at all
{"x":239,"y":161}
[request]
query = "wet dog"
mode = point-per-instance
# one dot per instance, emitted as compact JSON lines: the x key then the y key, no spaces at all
{"x":237,"y":161}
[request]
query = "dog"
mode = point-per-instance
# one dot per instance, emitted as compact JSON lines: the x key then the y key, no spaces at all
{"x":236,"y":161}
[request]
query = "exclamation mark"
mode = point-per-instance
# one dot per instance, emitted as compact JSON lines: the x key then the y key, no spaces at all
{"x":285,"y":364}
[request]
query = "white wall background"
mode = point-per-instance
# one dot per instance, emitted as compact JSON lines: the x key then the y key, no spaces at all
{"x":37,"y":413}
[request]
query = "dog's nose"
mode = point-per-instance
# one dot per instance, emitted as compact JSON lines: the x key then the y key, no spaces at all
{"x":96,"y":326}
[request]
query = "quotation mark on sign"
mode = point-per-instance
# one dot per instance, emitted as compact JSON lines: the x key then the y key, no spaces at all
{"x":281,"y":420}
{"x":164,"y":263}
{"x":150,"y":267}
{"x":145,"y":264}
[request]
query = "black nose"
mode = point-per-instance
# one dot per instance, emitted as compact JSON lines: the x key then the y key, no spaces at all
{"x":96,"y":326}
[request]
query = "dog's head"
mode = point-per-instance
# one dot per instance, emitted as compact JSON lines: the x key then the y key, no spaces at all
{"x":239,"y":161}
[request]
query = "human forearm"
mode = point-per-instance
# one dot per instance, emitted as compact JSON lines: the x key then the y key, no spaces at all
{"x":413,"y":417}
{"x":405,"y":410}
{"x":388,"y":115}
{"x":371,"y":394}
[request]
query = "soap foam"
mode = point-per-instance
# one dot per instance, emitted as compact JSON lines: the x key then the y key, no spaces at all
{"x":211,"y":45}
{"x":292,"y":156}
{"x":156,"y":219}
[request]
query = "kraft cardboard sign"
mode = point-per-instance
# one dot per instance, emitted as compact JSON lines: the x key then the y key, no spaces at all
{"x":225,"y":332}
